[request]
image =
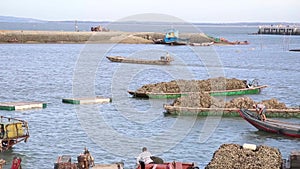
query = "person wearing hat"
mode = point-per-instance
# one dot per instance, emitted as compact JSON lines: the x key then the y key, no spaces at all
{"x":261,"y":110}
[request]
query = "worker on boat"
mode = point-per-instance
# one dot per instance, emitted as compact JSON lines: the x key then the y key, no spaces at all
{"x":144,"y":158}
{"x":2,"y":163}
{"x":261,"y":110}
{"x":16,"y":163}
{"x":89,"y":157}
{"x":168,"y":57}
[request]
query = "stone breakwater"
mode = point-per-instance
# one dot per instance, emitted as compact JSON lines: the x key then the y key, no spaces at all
{"x":12,"y":36}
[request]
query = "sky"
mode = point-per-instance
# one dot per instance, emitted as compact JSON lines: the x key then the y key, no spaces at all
{"x":215,"y":11}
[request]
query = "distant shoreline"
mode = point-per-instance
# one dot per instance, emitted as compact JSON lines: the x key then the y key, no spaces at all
{"x":29,"y":37}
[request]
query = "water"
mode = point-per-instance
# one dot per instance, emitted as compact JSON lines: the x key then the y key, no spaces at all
{"x":116,"y":132}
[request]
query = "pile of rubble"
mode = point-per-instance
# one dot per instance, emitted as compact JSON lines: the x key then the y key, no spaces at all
{"x":204,"y":100}
{"x":177,"y":86}
{"x":230,"y":156}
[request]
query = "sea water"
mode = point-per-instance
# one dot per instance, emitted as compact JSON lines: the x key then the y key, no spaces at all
{"x":117,"y":131}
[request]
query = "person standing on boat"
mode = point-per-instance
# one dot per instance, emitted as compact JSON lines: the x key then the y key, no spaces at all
{"x":89,"y":157}
{"x":261,"y":110}
{"x":144,"y":158}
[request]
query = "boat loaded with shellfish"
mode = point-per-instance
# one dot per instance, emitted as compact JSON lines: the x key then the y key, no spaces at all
{"x":202,"y":104}
{"x":215,"y":87}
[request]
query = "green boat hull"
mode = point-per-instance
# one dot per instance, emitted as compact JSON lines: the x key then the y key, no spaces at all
{"x":233,"y":93}
{"x":223,"y":93}
{"x":165,"y":96}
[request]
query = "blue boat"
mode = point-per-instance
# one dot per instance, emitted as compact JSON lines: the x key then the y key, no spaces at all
{"x":172,"y":38}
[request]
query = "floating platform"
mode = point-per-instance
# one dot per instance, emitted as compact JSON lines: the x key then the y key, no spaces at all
{"x":86,"y":100}
{"x":12,"y":106}
{"x":227,"y":112}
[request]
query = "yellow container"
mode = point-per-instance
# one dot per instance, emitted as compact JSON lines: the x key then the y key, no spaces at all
{"x":14,"y":130}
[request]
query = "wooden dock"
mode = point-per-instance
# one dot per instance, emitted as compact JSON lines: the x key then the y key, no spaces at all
{"x":12,"y":106}
{"x":86,"y":100}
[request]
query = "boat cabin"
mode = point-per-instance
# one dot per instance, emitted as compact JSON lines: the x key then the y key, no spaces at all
{"x":171,"y":36}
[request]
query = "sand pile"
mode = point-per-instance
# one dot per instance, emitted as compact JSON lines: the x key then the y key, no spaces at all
{"x":204,"y":100}
{"x":233,"y":156}
{"x":177,"y":86}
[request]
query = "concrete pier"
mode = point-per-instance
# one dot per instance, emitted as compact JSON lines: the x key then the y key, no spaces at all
{"x":279,"y":30}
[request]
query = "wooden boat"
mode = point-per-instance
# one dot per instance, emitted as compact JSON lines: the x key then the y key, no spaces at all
{"x":152,"y":95}
{"x":164,"y":60}
{"x":12,"y":131}
{"x":271,"y":126}
{"x":171,"y":165}
{"x":224,"y":41}
{"x":227,"y":112}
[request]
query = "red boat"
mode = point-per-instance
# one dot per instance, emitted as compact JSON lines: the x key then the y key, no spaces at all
{"x":170,"y":165}
{"x":271,"y":126}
